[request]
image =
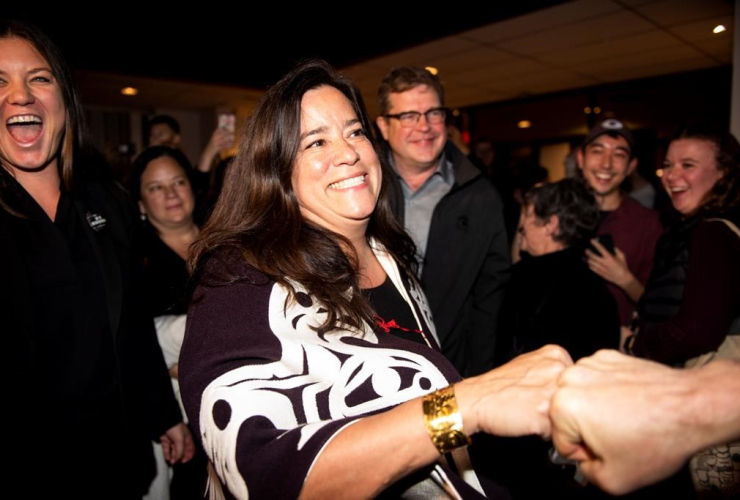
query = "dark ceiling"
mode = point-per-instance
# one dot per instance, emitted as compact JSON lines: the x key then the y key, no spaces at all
{"x":253,"y":51}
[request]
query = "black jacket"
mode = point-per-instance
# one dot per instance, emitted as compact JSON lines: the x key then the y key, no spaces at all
{"x":466,"y":265}
{"x":147,"y":404}
{"x":556,"y":299}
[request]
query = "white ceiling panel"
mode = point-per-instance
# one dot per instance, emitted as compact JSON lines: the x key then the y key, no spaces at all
{"x":659,"y":68}
{"x":598,"y":30}
{"x":648,"y":58}
{"x":573,"y":45}
{"x":422,"y":54}
{"x":638,"y":3}
{"x":506,"y":71}
{"x":674,"y":12}
{"x":702,"y":30}
{"x":720,"y":49}
{"x":612,"y":48}
{"x":543,"y":20}
{"x":476,"y":58}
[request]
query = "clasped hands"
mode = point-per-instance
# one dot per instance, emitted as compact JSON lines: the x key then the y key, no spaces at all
{"x":614,"y":414}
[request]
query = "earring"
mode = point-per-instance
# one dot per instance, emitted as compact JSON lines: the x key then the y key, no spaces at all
{"x":142,"y":216}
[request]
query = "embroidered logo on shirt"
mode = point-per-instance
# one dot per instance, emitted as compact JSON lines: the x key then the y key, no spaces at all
{"x":96,"y":221}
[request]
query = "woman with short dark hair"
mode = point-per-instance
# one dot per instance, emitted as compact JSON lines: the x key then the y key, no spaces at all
{"x":310,"y":362}
{"x":553,"y":297}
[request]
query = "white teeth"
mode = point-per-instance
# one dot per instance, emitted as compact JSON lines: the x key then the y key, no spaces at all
{"x":348,"y":183}
{"x":23,"y":119}
{"x":604,"y":177}
{"x":678,"y":190}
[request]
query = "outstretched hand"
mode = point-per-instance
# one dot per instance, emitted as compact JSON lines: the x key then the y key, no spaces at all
{"x":514,"y":399}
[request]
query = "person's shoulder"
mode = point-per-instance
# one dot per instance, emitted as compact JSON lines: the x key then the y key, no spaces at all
{"x":718,"y":229}
{"x":463,"y":168}
{"x":106,"y":189}
{"x":228,"y":266}
{"x":469,"y":179}
{"x":109,"y":196}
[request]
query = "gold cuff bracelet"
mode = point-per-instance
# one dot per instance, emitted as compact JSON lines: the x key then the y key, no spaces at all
{"x":443,"y":420}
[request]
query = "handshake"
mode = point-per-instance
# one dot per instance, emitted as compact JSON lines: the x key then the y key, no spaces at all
{"x":627,"y":421}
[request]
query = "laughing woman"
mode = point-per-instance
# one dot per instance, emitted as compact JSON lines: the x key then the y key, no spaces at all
{"x":310,"y":362}
{"x":693,"y":294}
{"x":86,"y":386}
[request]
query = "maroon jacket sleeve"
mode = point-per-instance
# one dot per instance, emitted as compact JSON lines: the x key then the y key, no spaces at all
{"x":711,"y":300}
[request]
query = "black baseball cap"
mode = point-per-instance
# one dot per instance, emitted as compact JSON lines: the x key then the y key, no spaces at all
{"x":610,"y":126}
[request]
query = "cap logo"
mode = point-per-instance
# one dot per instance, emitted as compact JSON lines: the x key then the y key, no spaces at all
{"x":612,"y":124}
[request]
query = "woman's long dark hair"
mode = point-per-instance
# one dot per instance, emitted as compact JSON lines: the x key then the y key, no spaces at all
{"x":74,"y":140}
{"x":725,"y":194}
{"x":258,"y":216}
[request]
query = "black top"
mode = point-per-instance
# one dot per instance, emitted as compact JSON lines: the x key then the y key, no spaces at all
{"x":693,"y":294}
{"x":72,"y":333}
{"x":83,"y":370}
{"x":392,"y":314}
{"x":166,"y":276}
{"x":556,"y":299}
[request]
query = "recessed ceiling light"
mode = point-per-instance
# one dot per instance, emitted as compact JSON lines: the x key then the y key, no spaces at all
{"x":129,"y":91}
{"x":597,"y":110}
{"x":719,"y":29}
{"x":455,"y":112}
{"x":587,"y":109}
{"x":524,"y":124}
{"x":432,"y":69}
{"x":659,"y":172}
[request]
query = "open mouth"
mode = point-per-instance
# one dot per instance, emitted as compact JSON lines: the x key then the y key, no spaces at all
{"x":604,"y":177}
{"x":348,"y":183}
{"x":24,"y":129}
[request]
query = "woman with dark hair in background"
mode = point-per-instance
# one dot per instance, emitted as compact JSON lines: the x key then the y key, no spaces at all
{"x":87,"y":386}
{"x":553,"y":297}
{"x":310,"y":364}
{"x":159,"y":182}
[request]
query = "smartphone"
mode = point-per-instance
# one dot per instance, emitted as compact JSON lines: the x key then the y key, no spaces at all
{"x":606,"y":241}
{"x":227,"y":121}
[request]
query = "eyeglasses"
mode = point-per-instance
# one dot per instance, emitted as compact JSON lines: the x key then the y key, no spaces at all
{"x":410,"y":118}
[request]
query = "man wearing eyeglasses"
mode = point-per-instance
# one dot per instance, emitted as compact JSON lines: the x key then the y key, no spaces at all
{"x":453,"y":214}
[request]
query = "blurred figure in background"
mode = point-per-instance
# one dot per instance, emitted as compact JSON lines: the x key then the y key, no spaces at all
{"x":164,"y":130}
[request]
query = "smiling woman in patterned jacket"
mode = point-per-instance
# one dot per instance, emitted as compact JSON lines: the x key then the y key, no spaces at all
{"x":310,"y":364}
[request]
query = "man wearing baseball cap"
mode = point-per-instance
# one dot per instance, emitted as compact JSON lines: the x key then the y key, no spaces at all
{"x":605,"y":160}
